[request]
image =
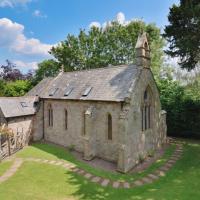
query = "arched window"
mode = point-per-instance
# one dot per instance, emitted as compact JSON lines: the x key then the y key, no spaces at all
{"x":109,"y":127}
{"x":66,"y":119}
{"x":50,"y":115}
{"x":84,"y":123}
{"x":146,"y":110}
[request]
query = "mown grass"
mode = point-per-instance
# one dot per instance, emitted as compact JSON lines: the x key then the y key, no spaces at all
{"x":52,"y":152}
{"x":4,"y":166}
{"x":37,"y":181}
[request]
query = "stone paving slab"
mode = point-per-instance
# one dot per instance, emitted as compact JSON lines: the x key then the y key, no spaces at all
{"x":88,"y":175}
{"x":105,"y":182}
{"x":96,"y":179}
{"x":80,"y":172}
{"x":126,"y":185}
{"x":138,"y":183}
{"x":160,"y":173}
{"x":146,"y":180}
{"x":59,"y":163}
{"x":116,"y":184}
{"x":52,"y":162}
{"x":164,"y":168}
{"x":153,"y":176}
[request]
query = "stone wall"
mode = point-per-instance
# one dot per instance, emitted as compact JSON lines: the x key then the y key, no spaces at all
{"x":87,"y":125}
{"x":139,"y":143}
{"x":74,"y":135}
{"x":2,"y":118}
{"x":22,"y":125}
{"x":38,"y":123}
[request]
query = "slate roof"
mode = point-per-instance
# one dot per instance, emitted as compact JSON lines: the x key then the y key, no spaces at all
{"x":102,"y":84}
{"x":17,"y":106}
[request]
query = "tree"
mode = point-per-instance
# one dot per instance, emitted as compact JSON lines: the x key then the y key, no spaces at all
{"x":17,"y":88}
{"x":2,"y":87}
{"x":46,"y":68}
{"x":183,"y":33}
{"x":10,"y":73}
{"x":114,"y":44}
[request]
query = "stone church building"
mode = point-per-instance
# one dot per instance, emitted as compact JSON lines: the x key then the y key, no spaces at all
{"x":113,"y":113}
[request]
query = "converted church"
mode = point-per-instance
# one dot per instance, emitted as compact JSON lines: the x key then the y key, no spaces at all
{"x":113,"y":113}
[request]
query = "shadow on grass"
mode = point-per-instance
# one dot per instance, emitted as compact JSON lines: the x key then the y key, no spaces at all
{"x":87,"y":190}
{"x":186,"y":172}
{"x":53,"y":151}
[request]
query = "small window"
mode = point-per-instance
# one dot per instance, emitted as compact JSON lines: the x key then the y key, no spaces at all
{"x":50,"y":116}
{"x":84,"y":123}
{"x":68,"y":91}
{"x":66,"y":119}
{"x":53,"y":91}
{"x":87,"y":91}
{"x":23,"y":104}
{"x":109,"y":127}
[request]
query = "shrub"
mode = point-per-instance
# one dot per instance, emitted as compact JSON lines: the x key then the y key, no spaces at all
{"x":183,"y":110}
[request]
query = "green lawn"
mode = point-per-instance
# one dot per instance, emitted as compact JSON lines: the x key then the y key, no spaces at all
{"x":36,"y":181}
{"x":52,"y":152}
{"x":5,"y":165}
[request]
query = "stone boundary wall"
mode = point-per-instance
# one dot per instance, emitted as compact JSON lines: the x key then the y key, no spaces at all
{"x":11,"y":143}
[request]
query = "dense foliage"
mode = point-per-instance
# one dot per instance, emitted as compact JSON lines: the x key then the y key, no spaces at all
{"x":47,"y":68}
{"x":182,"y":33}
{"x":112,"y":45}
{"x":183,"y":108}
{"x":13,"y":82}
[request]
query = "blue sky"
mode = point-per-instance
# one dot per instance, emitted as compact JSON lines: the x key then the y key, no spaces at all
{"x":28,"y":28}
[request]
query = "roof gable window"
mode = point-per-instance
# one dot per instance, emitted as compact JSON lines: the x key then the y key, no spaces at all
{"x":23,"y":104}
{"x":53,"y":91}
{"x":68,"y":91}
{"x":87,"y":91}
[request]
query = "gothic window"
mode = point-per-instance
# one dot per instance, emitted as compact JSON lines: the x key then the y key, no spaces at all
{"x":66,"y":119}
{"x":146,"y":110}
{"x":109,"y":127}
{"x":50,"y":115}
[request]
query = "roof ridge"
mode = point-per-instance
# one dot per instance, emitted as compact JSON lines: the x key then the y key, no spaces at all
{"x":99,"y":68}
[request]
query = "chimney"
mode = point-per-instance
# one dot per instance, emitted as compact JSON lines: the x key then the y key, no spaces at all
{"x":142,"y":51}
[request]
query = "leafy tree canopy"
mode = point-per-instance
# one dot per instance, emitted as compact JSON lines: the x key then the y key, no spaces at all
{"x":9,"y":72}
{"x":183,"y":33}
{"x":114,"y":44}
{"x":16,"y":88}
{"x":45,"y":69}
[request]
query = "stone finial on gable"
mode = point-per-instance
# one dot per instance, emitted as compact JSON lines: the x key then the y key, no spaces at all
{"x":142,"y":51}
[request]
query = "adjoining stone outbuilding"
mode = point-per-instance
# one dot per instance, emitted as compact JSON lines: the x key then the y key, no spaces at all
{"x":113,"y":113}
{"x":17,"y":113}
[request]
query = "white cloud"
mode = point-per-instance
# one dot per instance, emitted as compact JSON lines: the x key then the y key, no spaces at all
{"x":28,"y":65}
{"x":120,"y":18}
{"x":95,"y":24}
{"x":12,"y":37}
{"x":39,"y":14}
{"x":13,"y":3}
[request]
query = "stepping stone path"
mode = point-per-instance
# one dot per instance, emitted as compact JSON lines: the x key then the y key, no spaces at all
{"x":10,"y":172}
{"x":104,"y":182}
